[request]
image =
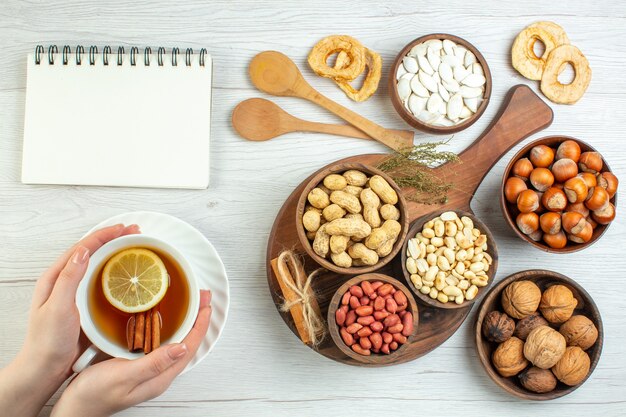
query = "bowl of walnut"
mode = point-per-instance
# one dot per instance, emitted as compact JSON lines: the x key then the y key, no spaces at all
{"x":538,"y":335}
{"x":351,"y":218}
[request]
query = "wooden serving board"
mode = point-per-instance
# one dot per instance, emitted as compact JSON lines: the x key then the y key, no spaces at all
{"x":522,"y":114}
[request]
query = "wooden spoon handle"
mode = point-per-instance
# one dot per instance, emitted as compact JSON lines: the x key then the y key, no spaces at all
{"x":346,"y":130}
{"x":385,"y":136}
{"x":522,"y":114}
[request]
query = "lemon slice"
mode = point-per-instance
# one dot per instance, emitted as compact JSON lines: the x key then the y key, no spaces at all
{"x":135,"y":280}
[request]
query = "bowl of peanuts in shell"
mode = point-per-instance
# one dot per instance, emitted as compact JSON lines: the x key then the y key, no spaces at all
{"x":351,"y":218}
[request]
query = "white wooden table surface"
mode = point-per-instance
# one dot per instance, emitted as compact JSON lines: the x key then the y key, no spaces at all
{"x":258,"y":366}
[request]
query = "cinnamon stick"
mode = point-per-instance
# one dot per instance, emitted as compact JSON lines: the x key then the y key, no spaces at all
{"x":156,"y":328}
{"x":147,"y":342}
{"x":140,"y":329}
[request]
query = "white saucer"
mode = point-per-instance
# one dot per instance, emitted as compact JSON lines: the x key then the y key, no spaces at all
{"x":202,"y":256}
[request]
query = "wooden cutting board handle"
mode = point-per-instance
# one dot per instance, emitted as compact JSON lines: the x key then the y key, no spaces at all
{"x":522,"y":114}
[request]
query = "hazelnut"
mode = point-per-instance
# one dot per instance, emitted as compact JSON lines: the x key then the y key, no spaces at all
{"x":605,"y":215}
{"x":557,"y":304}
{"x":609,"y":182}
{"x":597,"y":198}
{"x":550,"y":222}
{"x":521,"y":168}
{"x":573,"y":222}
{"x":527,"y":201}
{"x":512,"y":188}
{"x":590,"y":162}
{"x":555,"y":241}
{"x":579,"y":331}
{"x":564,"y":169}
{"x":578,"y":208}
{"x":527,"y":222}
{"x":592,"y":222}
{"x":575,"y":189}
{"x":589,"y":178}
{"x":508,"y":358}
{"x":498,"y":327}
{"x":521,"y":299}
{"x":536,"y":235}
{"x":541,"y":156}
{"x":544,"y":347}
{"x":573,"y":366}
{"x":538,"y":380}
{"x":528,"y":324}
{"x":584,"y":235}
{"x":541,"y":179}
{"x":554,"y":199}
{"x":568,"y":149}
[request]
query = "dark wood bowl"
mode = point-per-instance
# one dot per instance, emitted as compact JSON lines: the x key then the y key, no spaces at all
{"x":375,"y":359}
{"x":492,"y":250}
{"x":317,"y":178}
{"x":414,"y":121}
{"x":510,"y":211}
{"x":544,"y":279}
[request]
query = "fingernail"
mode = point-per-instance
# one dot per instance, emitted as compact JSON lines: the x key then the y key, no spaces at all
{"x":80,"y":255}
{"x":177,"y":351}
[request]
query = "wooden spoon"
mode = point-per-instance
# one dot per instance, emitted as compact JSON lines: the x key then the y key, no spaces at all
{"x":258,"y":119}
{"x":274,"y":73}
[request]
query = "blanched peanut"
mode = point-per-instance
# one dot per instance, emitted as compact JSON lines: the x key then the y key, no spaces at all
{"x":311,"y":220}
{"x":346,"y":201}
{"x":318,"y":198}
{"x":381,"y":187}
{"x":335,"y":182}
{"x":333,"y":212}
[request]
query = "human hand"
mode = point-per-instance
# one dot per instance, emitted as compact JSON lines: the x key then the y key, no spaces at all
{"x":108,"y":387}
{"x":52,"y":340}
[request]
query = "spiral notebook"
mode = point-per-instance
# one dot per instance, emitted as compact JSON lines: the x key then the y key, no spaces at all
{"x":133,"y":118}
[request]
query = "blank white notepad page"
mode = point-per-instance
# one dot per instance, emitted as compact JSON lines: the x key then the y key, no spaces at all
{"x":117,"y":125}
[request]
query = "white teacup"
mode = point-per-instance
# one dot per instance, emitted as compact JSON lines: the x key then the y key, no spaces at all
{"x":99,"y":341}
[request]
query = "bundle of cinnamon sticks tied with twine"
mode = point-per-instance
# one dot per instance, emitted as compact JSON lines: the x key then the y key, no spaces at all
{"x":143,"y":331}
{"x":300,"y":299}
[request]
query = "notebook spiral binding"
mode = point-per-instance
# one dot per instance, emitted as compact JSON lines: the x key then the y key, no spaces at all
{"x":53,"y":52}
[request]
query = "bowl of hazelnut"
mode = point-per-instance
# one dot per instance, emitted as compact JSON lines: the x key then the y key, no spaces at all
{"x":558,"y":194}
{"x":538,"y":335}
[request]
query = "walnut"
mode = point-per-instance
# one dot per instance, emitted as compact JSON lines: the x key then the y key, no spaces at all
{"x":521,"y":298}
{"x":557,"y":304}
{"x":527,"y":324}
{"x":573,"y":367}
{"x":508,"y":358}
{"x":498,"y":327}
{"x":538,"y":380}
{"x":544,"y":347}
{"x":579,"y":331}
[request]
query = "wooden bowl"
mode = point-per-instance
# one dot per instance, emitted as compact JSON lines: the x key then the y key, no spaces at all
{"x":338,"y":169}
{"x":375,"y":358}
{"x":510,"y":210}
{"x":492,"y":250}
{"x":543,"y":279}
{"x":413,"y":120}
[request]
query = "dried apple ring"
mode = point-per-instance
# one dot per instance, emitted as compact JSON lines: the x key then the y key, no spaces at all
{"x":331,"y":45}
{"x":525,"y":61}
{"x":374,"y":65}
{"x":565,"y":93}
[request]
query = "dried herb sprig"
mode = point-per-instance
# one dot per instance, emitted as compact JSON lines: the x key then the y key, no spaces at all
{"x":410,"y":168}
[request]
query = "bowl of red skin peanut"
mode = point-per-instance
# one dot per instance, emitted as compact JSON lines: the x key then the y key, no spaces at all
{"x":372,"y":319}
